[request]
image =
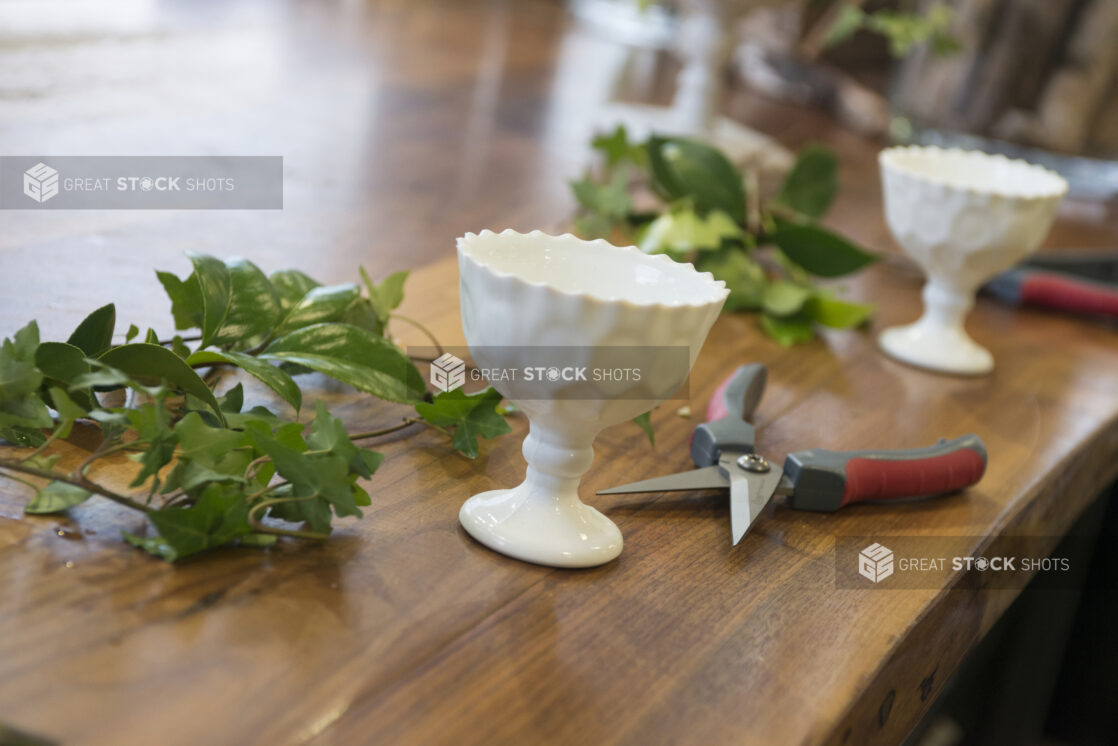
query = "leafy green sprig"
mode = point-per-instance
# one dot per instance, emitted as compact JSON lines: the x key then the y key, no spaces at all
{"x":904,"y":30}
{"x":696,"y":208}
{"x":209,"y":473}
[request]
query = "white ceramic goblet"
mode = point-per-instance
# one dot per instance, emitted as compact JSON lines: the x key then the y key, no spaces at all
{"x":963,"y":216}
{"x":524,"y":293}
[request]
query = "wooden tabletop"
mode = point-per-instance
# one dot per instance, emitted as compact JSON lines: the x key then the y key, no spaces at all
{"x":402,"y":127}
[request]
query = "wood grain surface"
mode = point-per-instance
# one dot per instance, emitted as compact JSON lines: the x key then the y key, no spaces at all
{"x":400,"y":628}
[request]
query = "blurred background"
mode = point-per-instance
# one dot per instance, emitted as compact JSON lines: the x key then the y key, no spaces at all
{"x":403,"y":123}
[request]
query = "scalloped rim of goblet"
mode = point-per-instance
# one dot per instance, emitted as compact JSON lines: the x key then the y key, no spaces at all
{"x":890,"y":158}
{"x":463,"y":249}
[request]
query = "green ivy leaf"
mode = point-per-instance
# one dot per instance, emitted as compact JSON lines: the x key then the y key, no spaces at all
{"x":207,"y":445}
{"x":148,"y":363}
{"x":472,"y":416}
{"x":254,"y":307}
{"x":233,"y":400}
{"x":819,"y":251}
{"x":610,"y":199}
{"x":615,"y":146}
{"x":849,"y":20}
{"x":388,"y":295}
{"x":354,"y":356}
{"x":838,"y":314}
{"x":644,"y":422}
{"x":55,"y":498}
{"x":328,"y":433}
{"x":261,"y":370}
{"x":812,"y":184}
{"x":688,"y":168}
{"x":784,"y":298}
{"x":95,"y":334}
{"x":323,"y":476}
{"x":788,"y":330}
{"x":217,"y":517}
{"x":22,"y":412}
{"x":133,"y":330}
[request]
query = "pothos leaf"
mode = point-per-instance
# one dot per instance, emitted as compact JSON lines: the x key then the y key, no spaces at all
{"x":354,"y":356}
{"x":319,"y":305}
{"x":291,"y":286}
{"x":261,"y":370}
{"x":61,"y":364}
{"x":254,"y":306}
{"x":783,"y":298}
{"x":743,"y":276}
{"x":151,"y":363}
{"x":682,"y":230}
{"x":819,"y":251}
{"x":186,"y":300}
{"x":811,"y":185}
{"x":688,"y":168}
{"x":94,"y":335}
{"x":471,"y":415}
{"x":216,"y":287}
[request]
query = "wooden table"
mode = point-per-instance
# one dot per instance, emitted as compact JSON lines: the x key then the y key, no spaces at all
{"x":401,"y":629}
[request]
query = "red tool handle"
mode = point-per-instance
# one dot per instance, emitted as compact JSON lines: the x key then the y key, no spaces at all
{"x":872,"y":479}
{"x":1069,"y":294}
{"x":827,"y":480}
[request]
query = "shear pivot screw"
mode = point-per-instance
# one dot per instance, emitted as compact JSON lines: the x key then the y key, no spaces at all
{"x":754,"y":462}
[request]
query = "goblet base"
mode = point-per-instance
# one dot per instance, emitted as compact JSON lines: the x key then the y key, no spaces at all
{"x":943,"y":349}
{"x":557,"y":532}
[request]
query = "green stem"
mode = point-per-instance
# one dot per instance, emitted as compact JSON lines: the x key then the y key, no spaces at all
{"x":21,"y":480}
{"x":256,"y":510}
{"x":50,"y":439}
{"x":408,"y":422}
{"x":197,"y":338}
{"x":75,"y":479}
{"x":267,"y":489}
{"x":420,"y":327}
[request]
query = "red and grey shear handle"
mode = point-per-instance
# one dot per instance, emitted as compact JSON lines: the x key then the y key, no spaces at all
{"x":827,"y":480}
{"x":1054,"y":290}
{"x":727,"y":427}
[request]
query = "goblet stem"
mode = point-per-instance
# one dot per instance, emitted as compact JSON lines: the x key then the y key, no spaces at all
{"x":556,"y":463}
{"x":946,"y":307}
{"x":542,"y":520}
{"x":938,"y":340}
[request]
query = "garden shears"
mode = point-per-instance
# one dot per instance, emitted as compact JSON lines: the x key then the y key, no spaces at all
{"x":816,"y":479}
{"x":1076,"y":282}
